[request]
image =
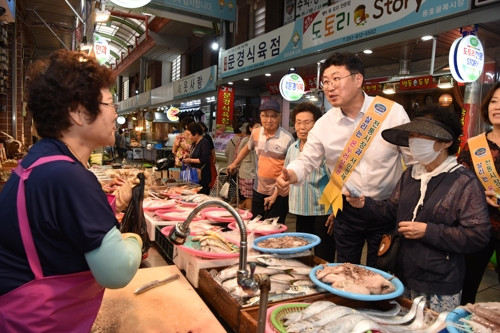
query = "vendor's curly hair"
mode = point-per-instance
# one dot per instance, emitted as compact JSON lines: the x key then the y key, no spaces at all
{"x":59,"y":85}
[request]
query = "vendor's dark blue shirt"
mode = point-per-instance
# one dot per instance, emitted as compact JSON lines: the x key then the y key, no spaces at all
{"x":68,"y":214}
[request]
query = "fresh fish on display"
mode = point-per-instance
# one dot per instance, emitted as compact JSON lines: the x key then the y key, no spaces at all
{"x":299,"y":270}
{"x":310,"y":311}
{"x":271,"y":261}
{"x":401,"y":320}
{"x":320,"y":319}
{"x":337,"y":275}
{"x":343,"y":325}
{"x":307,"y":283}
{"x":230,"y":272}
{"x":272,"y":298}
{"x":285,"y":242}
{"x":391,"y":313}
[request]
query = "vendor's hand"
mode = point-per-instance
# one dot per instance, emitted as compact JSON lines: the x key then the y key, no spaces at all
{"x":231,"y":168}
{"x":132,"y":235}
{"x":270,"y":200}
{"x":491,"y":198}
{"x":329,"y":224}
{"x":283,"y":183}
{"x":355,"y":202}
{"x":123,"y":196}
{"x":412,"y":230}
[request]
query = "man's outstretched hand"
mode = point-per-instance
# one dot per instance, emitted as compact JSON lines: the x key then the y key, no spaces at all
{"x":283,"y":183}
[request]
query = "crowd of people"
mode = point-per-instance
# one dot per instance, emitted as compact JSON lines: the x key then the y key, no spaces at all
{"x":359,"y":171}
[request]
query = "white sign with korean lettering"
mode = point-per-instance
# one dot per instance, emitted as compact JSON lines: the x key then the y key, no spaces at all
{"x":196,"y":83}
{"x":307,"y":7}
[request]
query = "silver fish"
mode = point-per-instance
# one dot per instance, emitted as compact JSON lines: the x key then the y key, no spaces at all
{"x":343,"y":325}
{"x":391,"y":313}
{"x":310,"y":311}
{"x":270,"y":261}
{"x":230,"y":272}
{"x":400,"y":320}
{"x":272,"y":298}
{"x":320,"y":319}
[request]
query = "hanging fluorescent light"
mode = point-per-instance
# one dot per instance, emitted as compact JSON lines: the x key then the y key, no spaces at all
{"x":367,"y":51}
{"x":424,"y":38}
{"x":445,"y":82}
{"x":389,"y":88}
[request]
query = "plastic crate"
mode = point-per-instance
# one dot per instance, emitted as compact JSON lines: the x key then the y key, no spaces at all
{"x":164,"y":243}
{"x":454,"y":317}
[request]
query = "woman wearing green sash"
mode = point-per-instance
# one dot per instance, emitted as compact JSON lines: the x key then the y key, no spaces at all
{"x":487,"y":146}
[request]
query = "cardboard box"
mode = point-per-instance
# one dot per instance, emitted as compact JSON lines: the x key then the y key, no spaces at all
{"x":226,"y":306}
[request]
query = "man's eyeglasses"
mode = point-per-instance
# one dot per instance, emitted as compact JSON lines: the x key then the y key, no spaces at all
{"x":269,"y":116}
{"x":114,"y":105}
{"x":333,"y":81}
{"x":304,"y":122}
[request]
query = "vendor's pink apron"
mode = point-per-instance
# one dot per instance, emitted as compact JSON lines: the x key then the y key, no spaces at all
{"x":64,"y":303}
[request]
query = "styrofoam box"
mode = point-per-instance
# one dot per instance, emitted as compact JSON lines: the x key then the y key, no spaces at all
{"x":151,"y":224}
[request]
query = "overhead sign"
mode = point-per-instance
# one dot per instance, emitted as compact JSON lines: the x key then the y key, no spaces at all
{"x":131,"y":3}
{"x":374,"y":86}
{"x":101,"y":49}
{"x":196,"y":83}
{"x":292,"y":87}
{"x":416,"y":83}
{"x":306,"y":7}
{"x":337,"y":25}
{"x":466,"y":59}
{"x":221,"y":9}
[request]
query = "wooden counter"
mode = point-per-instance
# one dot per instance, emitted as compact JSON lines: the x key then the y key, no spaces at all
{"x":172,"y":307}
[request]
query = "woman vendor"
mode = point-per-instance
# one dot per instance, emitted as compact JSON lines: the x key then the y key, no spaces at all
{"x":199,"y":155}
{"x":438,"y":207}
{"x":60,"y":245}
{"x":489,"y":144}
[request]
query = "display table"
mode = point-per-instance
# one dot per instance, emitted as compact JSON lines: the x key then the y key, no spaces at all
{"x":172,"y":307}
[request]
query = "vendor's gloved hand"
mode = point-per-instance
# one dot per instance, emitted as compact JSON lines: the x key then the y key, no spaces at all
{"x":123,"y":196}
{"x":132,"y":235}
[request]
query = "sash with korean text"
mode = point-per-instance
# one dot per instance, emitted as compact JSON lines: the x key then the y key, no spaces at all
{"x":483,"y":163}
{"x":354,"y":150}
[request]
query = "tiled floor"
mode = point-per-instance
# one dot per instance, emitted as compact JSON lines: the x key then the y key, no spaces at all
{"x":489,"y":290}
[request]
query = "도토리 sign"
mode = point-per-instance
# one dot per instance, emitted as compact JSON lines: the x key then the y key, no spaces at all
{"x":466,"y":59}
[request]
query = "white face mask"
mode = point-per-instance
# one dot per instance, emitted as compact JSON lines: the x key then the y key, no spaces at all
{"x":423,"y":150}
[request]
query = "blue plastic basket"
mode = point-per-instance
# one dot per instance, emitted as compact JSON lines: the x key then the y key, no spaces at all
{"x":454,"y":317}
{"x":313,"y":240}
{"x":360,"y":297}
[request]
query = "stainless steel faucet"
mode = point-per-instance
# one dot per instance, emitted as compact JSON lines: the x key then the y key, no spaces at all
{"x":248,"y":282}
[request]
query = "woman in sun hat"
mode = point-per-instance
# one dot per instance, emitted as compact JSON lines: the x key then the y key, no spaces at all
{"x":438,"y":208}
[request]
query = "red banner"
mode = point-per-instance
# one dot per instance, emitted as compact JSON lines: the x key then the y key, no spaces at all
{"x":416,"y":83}
{"x":373,"y":86}
{"x":310,"y":82}
{"x":225,"y":107}
{"x":274,"y":88}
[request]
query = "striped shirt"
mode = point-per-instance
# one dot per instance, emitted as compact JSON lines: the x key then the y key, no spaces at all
{"x":271,"y":153}
{"x":304,"y":200}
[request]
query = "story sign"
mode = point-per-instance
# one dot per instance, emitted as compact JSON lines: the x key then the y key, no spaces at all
{"x":341,"y":23}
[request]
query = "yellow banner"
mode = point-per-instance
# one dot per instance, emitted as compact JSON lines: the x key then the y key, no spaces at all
{"x":354,"y":150}
{"x":483,"y":163}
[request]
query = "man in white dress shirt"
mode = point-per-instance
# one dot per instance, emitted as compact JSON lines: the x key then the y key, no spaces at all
{"x":376,"y":173}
